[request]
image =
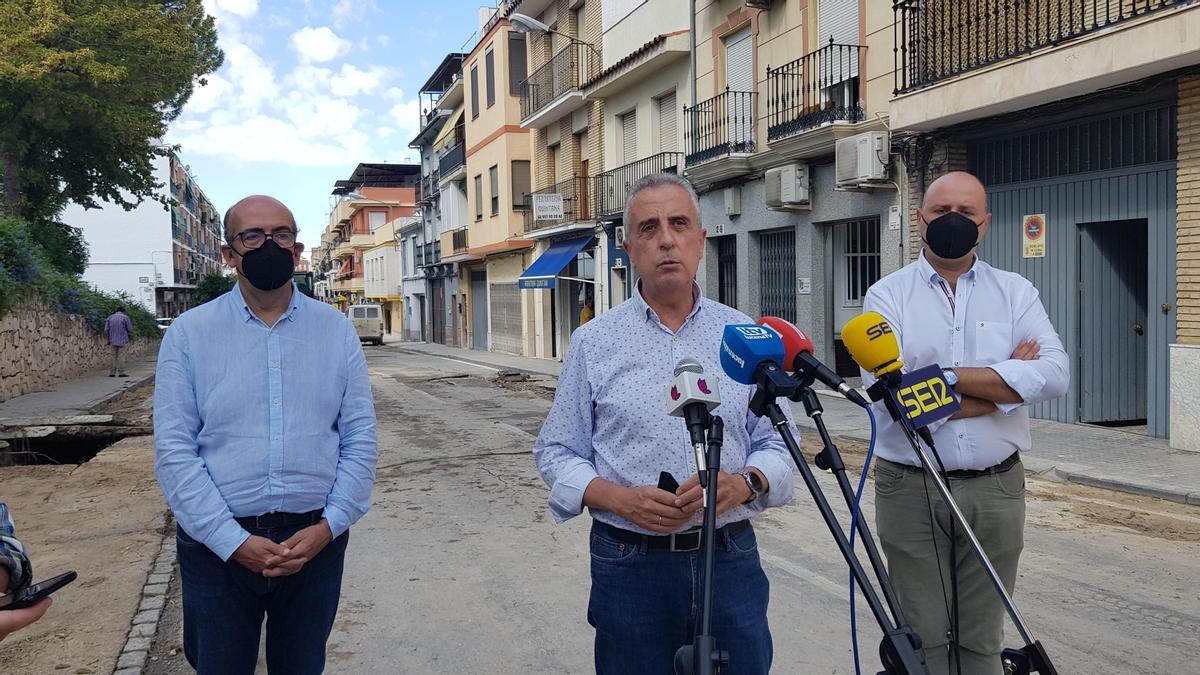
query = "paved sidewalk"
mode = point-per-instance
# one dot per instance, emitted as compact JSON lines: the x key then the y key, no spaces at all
{"x":1079,"y":453}
{"x":80,"y":395}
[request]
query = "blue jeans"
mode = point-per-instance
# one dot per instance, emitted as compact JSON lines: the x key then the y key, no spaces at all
{"x":646,"y":603}
{"x":224,"y":604}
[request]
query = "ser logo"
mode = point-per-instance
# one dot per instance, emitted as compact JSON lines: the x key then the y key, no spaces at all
{"x":878,"y":330}
{"x":926,"y":396}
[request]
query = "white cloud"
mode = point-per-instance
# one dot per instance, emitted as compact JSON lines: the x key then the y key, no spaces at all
{"x":406,"y":117}
{"x":318,"y":44}
{"x":383,"y":40}
{"x":352,"y":81}
{"x":351,"y":9}
{"x":207,"y":97}
{"x":253,"y":77}
{"x":242,"y":8}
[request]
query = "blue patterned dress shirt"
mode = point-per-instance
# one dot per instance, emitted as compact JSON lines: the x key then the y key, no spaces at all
{"x":252,"y":419}
{"x":609,"y":418}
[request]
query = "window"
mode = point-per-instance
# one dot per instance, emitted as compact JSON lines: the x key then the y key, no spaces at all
{"x":478,"y":197}
{"x":375,"y":219}
{"x":372,"y":312}
{"x":667,"y":129}
{"x":552,"y":163}
{"x":518,"y":68}
{"x":520,"y":183}
{"x":494,"y":183}
{"x":489,"y":68}
{"x":629,"y":137}
{"x":474,"y":90}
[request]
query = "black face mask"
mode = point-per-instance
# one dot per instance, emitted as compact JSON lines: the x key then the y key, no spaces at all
{"x":269,"y":266}
{"x":951,"y":235}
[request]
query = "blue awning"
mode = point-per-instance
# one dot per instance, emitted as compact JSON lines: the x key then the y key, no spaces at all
{"x":545,"y":270}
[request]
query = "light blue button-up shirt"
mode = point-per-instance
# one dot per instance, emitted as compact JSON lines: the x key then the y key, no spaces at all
{"x":978,"y":324}
{"x":252,"y":419}
{"x":609,"y":418}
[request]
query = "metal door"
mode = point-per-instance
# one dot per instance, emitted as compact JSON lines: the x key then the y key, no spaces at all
{"x":504,"y":302}
{"x":437,"y":311}
{"x":479,"y":304}
{"x":727,"y":270}
{"x":777,"y":273}
{"x":1112,"y":321}
{"x":855,"y":267}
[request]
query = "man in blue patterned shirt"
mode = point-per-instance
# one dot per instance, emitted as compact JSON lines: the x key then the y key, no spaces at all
{"x":15,"y":572}
{"x":608,"y":437}
{"x":264,"y":434}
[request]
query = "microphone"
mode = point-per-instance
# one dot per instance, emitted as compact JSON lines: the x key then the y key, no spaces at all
{"x":798,"y":354}
{"x":748,"y":348}
{"x":692,"y":397}
{"x":872,"y":344}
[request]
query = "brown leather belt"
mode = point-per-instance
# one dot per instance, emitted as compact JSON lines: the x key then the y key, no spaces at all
{"x":959,"y":474}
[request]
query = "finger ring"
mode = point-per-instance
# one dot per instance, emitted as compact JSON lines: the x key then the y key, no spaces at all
{"x":660,"y":520}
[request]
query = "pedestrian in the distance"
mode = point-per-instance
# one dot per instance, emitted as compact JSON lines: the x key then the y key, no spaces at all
{"x":264,"y":434}
{"x":117,"y":328}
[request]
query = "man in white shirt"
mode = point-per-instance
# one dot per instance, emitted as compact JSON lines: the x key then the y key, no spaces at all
{"x":988,"y":329}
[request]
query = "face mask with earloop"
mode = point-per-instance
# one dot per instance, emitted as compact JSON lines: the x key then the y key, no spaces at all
{"x":269,"y":266}
{"x":951,"y":235}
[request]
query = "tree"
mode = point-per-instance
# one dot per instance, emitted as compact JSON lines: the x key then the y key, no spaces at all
{"x":87,"y":88}
{"x":212,"y":286}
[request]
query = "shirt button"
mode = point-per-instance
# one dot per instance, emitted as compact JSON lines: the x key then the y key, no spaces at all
{"x":958,"y":328}
{"x":956,"y":363}
{"x":962,"y":435}
{"x":275,"y":401}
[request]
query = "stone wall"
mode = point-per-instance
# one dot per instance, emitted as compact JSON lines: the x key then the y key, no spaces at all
{"x":39,"y":348}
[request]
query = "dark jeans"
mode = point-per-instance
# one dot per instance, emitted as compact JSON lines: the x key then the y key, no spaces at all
{"x":224,"y":604}
{"x":646,"y":603}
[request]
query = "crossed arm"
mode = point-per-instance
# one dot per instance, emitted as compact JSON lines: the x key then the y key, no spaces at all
{"x":980,"y":389}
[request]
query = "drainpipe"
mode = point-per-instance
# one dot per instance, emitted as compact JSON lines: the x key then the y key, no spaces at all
{"x":692,"y":64}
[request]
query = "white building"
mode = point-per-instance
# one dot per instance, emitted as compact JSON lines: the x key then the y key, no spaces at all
{"x":154,"y":254}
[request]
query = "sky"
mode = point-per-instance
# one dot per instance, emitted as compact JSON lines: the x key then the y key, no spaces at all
{"x":309,"y":89}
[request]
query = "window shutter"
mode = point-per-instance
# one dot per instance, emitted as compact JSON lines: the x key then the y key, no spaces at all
{"x":739,"y":61}
{"x":489,"y":67}
{"x":629,"y":137}
{"x":478,"y":197}
{"x":475,"y":90}
{"x":839,"y":19}
{"x":518,"y":68}
{"x":520,"y":183}
{"x":666,"y":123}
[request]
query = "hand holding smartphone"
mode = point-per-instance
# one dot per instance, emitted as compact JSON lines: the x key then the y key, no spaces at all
{"x":30,"y":595}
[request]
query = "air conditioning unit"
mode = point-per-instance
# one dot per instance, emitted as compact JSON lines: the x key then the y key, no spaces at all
{"x":787,"y":188}
{"x":862,"y":160}
{"x":619,"y":235}
{"x":733,"y":201}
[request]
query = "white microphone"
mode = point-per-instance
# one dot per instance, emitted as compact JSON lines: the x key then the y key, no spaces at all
{"x":693,"y":396}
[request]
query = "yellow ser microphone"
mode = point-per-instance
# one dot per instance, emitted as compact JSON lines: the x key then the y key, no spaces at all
{"x":872,"y":344}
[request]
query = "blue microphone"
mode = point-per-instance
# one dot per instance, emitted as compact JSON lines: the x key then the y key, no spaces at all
{"x":746,"y":347}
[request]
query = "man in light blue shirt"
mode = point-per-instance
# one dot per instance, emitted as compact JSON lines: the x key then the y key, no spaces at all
{"x":988,"y":329}
{"x":265,"y":449}
{"x":608,"y":437}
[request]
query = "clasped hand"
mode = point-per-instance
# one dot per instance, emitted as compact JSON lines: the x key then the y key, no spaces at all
{"x":664,"y":512}
{"x":263,"y":556}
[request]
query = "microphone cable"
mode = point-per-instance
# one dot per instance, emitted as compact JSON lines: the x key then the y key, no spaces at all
{"x":862,"y":480}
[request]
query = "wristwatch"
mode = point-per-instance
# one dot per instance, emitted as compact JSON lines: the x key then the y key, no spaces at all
{"x":951,"y":377}
{"x":755,"y":484}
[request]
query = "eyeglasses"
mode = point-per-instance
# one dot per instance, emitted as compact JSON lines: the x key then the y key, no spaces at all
{"x":253,"y":239}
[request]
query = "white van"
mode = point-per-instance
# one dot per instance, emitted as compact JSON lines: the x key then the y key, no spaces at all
{"x":368,"y":322}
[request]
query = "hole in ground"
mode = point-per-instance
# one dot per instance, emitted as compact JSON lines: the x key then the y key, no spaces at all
{"x":61,"y":447}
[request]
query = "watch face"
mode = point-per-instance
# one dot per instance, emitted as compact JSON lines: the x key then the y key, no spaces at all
{"x":755,"y":481}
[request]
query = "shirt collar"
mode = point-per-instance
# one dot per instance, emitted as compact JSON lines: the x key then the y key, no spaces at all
{"x":247,"y":314}
{"x":648,"y":313}
{"x":931,"y":275}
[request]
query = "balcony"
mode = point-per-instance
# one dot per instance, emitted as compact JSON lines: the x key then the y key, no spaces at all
{"x":721,"y":126}
{"x":429,"y":187}
{"x":553,"y":90}
{"x":612,"y":187}
{"x":452,"y":163}
{"x":577,"y":207}
{"x":944,"y":38}
{"x":814,"y":90}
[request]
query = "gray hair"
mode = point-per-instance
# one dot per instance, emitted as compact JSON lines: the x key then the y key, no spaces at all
{"x":660,"y":179}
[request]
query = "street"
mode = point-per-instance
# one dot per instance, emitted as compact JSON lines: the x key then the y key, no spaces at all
{"x":458,"y":568}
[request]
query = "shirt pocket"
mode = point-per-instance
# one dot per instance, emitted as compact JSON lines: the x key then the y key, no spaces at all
{"x":993,"y":342}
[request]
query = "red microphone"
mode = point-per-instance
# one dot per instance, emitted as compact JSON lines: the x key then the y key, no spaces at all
{"x":798,"y":356}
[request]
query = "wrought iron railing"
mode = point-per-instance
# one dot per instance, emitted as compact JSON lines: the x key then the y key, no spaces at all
{"x":577,"y":63}
{"x":453,"y":158}
{"x":939,"y":39}
{"x":721,"y":125}
{"x":458,"y":240}
{"x":577,"y":203}
{"x":612,"y":187}
{"x":429,"y":186}
{"x":815,"y":89}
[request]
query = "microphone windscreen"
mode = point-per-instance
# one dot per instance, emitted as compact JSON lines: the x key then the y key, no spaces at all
{"x":744,"y":347}
{"x":872,"y":344}
{"x":794,"y":339}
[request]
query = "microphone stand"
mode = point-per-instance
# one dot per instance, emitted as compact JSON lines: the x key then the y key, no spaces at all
{"x":900,"y":652}
{"x":702,"y":656}
{"x":1031,"y":658}
{"x":830,"y":459}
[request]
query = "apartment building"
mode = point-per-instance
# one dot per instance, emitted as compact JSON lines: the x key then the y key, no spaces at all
{"x":497,"y":174}
{"x":1083,"y":120}
{"x":383,"y":275}
{"x":154,"y":254}
{"x":373,"y":195}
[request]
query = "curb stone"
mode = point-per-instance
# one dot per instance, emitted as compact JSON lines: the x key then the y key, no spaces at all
{"x":144,"y":624}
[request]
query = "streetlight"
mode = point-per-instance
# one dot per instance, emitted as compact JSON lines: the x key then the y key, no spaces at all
{"x":527,"y":24}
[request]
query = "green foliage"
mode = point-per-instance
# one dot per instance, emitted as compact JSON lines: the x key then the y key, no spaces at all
{"x":87,"y":88}
{"x":211,"y":287}
{"x":64,"y":246}
{"x":26,"y":273}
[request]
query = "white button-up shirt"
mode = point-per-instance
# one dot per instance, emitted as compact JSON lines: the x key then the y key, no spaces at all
{"x":977,"y":324}
{"x":609,"y":418}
